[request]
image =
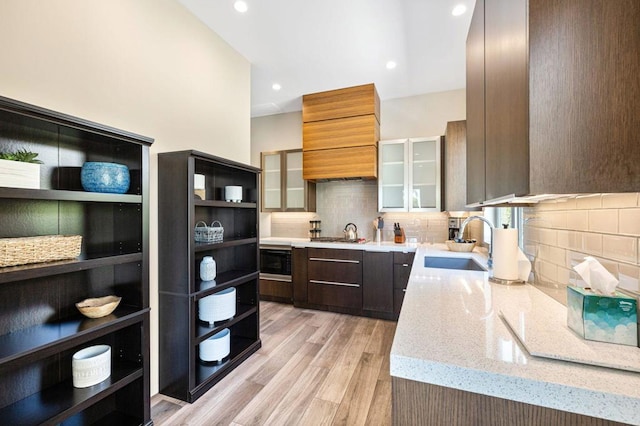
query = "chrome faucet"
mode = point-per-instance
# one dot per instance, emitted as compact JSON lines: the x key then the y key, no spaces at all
{"x":485,"y":220}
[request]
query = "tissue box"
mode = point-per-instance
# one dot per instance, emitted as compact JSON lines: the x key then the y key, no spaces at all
{"x":612,"y":319}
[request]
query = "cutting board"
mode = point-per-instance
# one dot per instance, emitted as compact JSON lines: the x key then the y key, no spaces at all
{"x":543,"y":331}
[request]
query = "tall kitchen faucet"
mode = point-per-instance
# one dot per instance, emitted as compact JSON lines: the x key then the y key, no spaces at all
{"x":485,"y":220}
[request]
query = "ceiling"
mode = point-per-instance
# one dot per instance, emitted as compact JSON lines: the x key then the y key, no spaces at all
{"x":310,"y":46}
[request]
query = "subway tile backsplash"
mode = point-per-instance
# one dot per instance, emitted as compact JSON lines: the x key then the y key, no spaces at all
{"x":559,"y":234}
{"x":342,"y":202}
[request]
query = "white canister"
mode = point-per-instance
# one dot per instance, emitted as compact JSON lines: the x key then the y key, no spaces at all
{"x":218,"y":307}
{"x":90,"y":366}
{"x":233,"y":193}
{"x":208,"y":269}
{"x":216,"y":347}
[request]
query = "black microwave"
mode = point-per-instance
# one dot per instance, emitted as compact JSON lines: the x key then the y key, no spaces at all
{"x":276,"y":261}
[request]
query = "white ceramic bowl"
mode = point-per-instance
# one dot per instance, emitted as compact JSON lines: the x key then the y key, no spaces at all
{"x":90,"y":366}
{"x":216,"y":347}
{"x":218,"y":307}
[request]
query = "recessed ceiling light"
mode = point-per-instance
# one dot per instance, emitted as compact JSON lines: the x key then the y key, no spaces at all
{"x":241,"y":6}
{"x":276,"y":86}
{"x":459,"y":10}
{"x":391,"y":65}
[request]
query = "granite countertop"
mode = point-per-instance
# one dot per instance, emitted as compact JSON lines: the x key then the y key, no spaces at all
{"x":450,"y":334}
{"x":367,"y":246}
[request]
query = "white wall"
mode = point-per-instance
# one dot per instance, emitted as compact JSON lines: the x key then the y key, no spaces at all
{"x":145,"y":66}
{"x":422,"y":115}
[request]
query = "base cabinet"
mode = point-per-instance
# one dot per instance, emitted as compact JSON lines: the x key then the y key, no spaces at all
{"x":185,"y":373}
{"x":402,"y":263}
{"x":276,"y":290}
{"x":356,"y":282}
{"x":377,"y":286}
{"x":417,"y":403}
{"x":40,"y":327}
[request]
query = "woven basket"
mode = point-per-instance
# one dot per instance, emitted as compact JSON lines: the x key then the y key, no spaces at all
{"x":46,"y":248}
{"x":209,"y":234}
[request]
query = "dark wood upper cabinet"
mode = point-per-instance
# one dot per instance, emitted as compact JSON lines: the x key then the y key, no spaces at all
{"x":475,"y":162}
{"x":455,"y":170}
{"x":561,"y":88}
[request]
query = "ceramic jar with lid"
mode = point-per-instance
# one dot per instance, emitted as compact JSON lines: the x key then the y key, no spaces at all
{"x":208,"y":269}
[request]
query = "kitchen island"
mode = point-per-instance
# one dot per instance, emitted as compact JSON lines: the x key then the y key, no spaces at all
{"x":453,"y":359}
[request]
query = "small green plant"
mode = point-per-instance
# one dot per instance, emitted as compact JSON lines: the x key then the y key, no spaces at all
{"x":21,"y":155}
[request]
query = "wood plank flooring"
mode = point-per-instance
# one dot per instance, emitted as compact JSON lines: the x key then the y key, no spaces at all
{"x":314,"y":368}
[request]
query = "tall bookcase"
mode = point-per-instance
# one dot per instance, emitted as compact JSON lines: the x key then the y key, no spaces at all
{"x":40,"y":327}
{"x":182,"y":374}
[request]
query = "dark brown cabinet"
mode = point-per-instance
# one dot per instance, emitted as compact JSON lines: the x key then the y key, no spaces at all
{"x":455,"y":167}
{"x":560,"y":89}
{"x":377,"y":283}
{"x":335,"y":278}
{"x":182,"y":373}
{"x":40,"y":328}
{"x":402,"y":263}
{"x":299,"y":275}
{"x":356,"y":282}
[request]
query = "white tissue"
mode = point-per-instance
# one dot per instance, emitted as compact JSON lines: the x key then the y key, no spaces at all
{"x":596,"y":276}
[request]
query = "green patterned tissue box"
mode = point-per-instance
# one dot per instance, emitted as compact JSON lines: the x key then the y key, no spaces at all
{"x":612,"y":319}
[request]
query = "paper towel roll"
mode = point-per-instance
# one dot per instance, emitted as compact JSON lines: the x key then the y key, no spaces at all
{"x":505,"y":254}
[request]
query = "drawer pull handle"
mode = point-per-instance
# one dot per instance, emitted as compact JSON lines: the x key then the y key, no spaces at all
{"x":405,"y":265}
{"x":404,"y":290}
{"x":320,"y":259}
{"x":334,"y":283}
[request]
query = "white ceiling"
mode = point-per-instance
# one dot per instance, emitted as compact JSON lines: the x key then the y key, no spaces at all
{"x":310,"y":46}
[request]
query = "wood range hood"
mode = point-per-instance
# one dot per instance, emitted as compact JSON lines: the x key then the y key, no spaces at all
{"x":340,"y":134}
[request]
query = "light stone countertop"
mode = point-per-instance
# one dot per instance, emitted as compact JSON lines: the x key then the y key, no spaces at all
{"x":368,"y":246}
{"x":450,"y":334}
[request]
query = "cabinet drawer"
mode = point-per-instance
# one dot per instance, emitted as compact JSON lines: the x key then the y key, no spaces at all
{"x":401,"y":275}
{"x":400,"y":257}
{"x":335,"y":294}
{"x":398,"y":298}
{"x":276,"y":290}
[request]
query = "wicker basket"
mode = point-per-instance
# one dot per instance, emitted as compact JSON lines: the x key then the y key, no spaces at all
{"x":46,"y":248}
{"x":209,"y":234}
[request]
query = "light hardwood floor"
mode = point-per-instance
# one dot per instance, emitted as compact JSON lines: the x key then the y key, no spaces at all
{"x":314,"y":368}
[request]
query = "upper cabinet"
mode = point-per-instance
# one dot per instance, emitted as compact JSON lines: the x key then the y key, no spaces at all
{"x":455,"y":173}
{"x":283,"y":188}
{"x":410,"y":175}
{"x":340,"y":133}
{"x":552,"y":93}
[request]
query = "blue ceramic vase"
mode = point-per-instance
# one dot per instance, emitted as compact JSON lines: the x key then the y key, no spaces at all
{"x":105,"y":177}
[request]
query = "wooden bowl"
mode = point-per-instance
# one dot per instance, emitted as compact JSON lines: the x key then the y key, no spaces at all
{"x":98,"y":307}
{"x":460,"y":247}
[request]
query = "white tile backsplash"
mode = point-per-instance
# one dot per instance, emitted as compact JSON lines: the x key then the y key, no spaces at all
{"x":606,"y":226}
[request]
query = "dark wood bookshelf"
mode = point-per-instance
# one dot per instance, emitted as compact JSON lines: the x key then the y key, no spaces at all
{"x":40,"y":327}
{"x":182,"y":374}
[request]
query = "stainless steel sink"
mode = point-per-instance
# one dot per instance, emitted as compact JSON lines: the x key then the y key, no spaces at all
{"x":459,"y":263}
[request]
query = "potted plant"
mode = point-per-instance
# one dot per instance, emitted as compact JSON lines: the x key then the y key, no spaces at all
{"x":20,"y":169}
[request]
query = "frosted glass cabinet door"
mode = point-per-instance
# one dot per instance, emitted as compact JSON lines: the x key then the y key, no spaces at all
{"x":271,"y":181}
{"x":294,"y":184}
{"x":393,"y":175}
{"x":424,"y":174}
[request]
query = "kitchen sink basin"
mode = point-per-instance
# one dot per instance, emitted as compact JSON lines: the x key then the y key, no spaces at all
{"x":459,"y":263}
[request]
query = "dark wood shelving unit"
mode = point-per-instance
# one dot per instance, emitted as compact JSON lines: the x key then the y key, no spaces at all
{"x":40,"y":327}
{"x":182,"y":374}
